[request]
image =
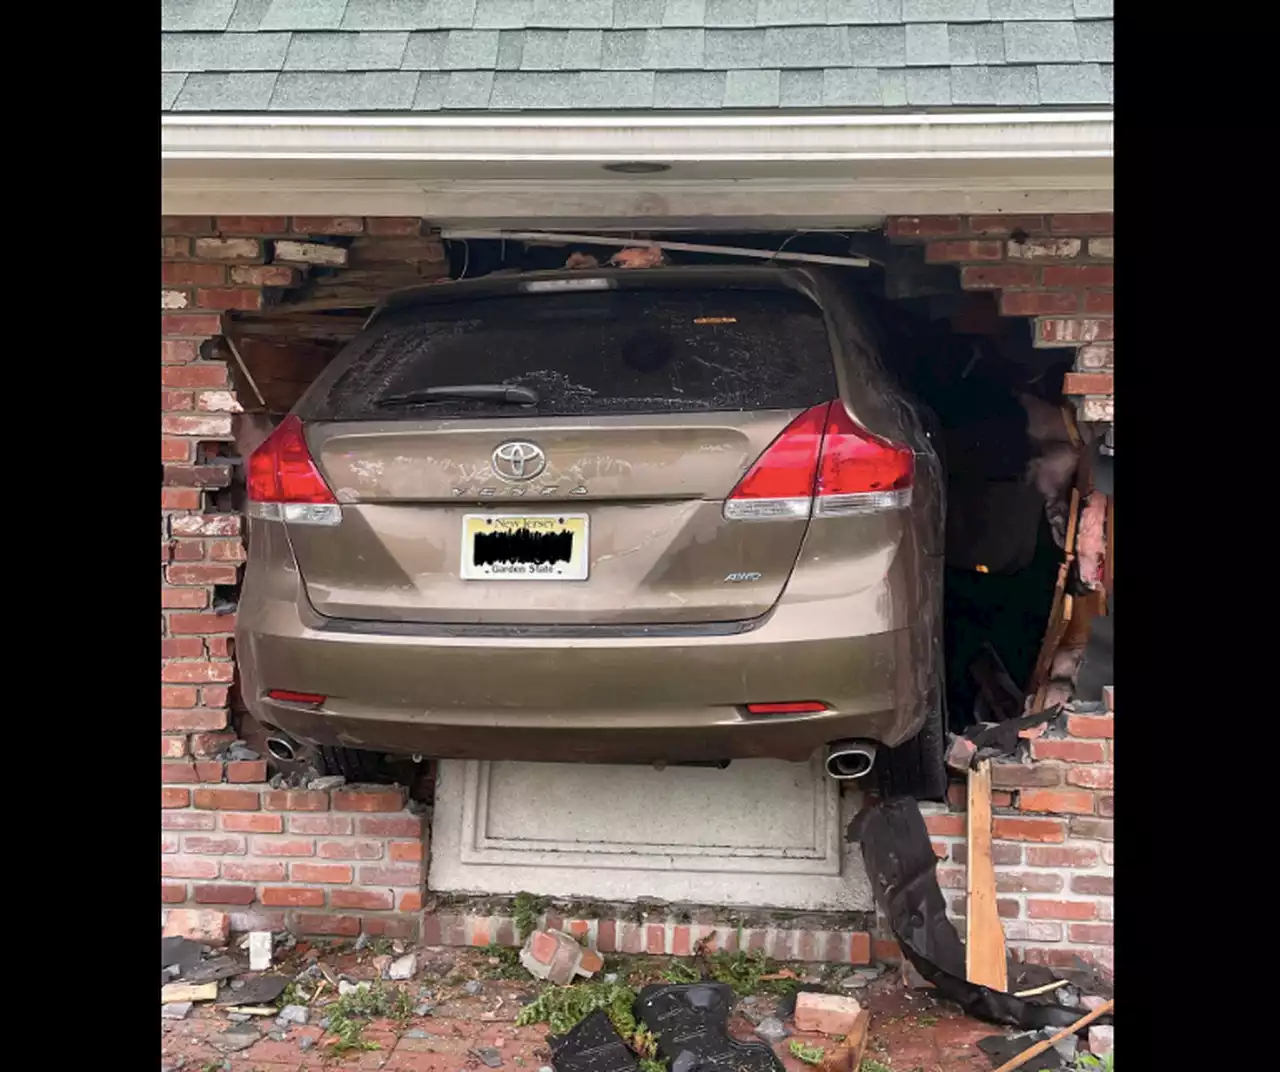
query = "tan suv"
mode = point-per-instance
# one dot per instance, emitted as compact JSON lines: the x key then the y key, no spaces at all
{"x":668,"y":515}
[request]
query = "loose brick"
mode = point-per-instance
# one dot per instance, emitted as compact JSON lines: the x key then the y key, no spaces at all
{"x":205,"y":525}
{"x":1068,"y":751}
{"x":1038,"y":302}
{"x":208,"y":744}
{"x":310,"y":253}
{"x":390,"y":876}
{"x":385,"y":800}
{"x":197,"y":671}
{"x":304,"y":823}
{"x":229,"y":249}
{"x":190,"y":719}
{"x":199,"y":925}
{"x":174,"y":798}
{"x":1092,"y":933}
{"x":945,"y":825}
{"x":1088,"y":383}
{"x":292,"y":896}
{"x":1058,"y":801}
{"x":396,"y":826}
{"x":349,"y":850}
{"x":406,"y":851}
{"x":1045,"y":249}
{"x":185,"y":867}
{"x":1029,"y":882}
{"x":247,"y":770}
{"x":1091,"y":726}
{"x":327,"y":225}
{"x":254,"y":871}
{"x":1021,"y":775}
{"x":218,"y":402}
{"x":186,"y":820}
{"x":997,"y":276}
{"x":344,"y":926}
{"x":224,"y":894}
{"x":295,"y":800}
{"x":243,"y":298}
{"x":282,"y":846}
{"x":337,"y":873}
{"x":204,"y":845}
{"x":1097,"y":885}
{"x":982,"y":249}
{"x":266,"y":275}
{"x":226,"y":799}
{"x":252,"y":823}
{"x":924,"y":226}
{"x":201,"y":374}
{"x":1007,"y":828}
{"x":1038,"y":909}
{"x":1092,"y":777}
{"x":1062,"y":856}
{"x":828,"y":1014}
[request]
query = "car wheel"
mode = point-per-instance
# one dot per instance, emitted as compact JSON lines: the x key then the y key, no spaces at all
{"x":917,"y":768}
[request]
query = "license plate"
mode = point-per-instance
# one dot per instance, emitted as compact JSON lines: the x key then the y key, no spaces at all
{"x":524,"y":547}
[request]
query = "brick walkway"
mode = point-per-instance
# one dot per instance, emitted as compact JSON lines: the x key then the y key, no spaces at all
{"x":909,"y":1031}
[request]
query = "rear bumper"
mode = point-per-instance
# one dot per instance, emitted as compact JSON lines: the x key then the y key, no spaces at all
{"x":599,"y":697}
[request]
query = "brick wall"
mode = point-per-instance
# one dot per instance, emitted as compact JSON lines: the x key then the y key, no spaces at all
{"x":1056,"y":270}
{"x":227,"y":846}
{"x":337,"y":862}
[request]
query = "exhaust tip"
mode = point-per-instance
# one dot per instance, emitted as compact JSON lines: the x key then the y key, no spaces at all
{"x":281,"y":748}
{"x":851,"y":759}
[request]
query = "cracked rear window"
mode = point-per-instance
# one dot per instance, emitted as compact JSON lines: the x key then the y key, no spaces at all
{"x":595,"y":353}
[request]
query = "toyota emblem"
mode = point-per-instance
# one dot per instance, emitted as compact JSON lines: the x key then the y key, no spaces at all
{"x":518,"y":460}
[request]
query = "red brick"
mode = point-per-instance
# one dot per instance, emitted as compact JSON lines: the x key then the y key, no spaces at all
{"x":186,"y":551}
{"x":171,"y":246}
{"x":951,"y":878}
{"x":195,"y":275}
{"x":209,"y":770}
{"x":305,"y":823}
{"x":1099,"y":302}
{"x":222,"y":894}
{"x":385,"y":800}
{"x":399,"y":226}
{"x":406,"y":851}
{"x":264,"y":275}
{"x":173,"y":747}
{"x":173,"y":892}
{"x":1019,"y":775}
{"x":295,"y":800}
{"x":171,"y":867}
{"x":1005,"y":225}
{"x":226,"y":799}
{"x":230,"y":249}
{"x":310,"y":923}
{"x":370,"y":900}
{"x":175,"y":450}
{"x":1106,"y":805}
{"x":1008,"y":828}
{"x":977,"y":249}
{"x":1082,"y":223}
{"x":247,"y":770}
{"x":186,"y":820}
{"x":1029,"y":882}
{"x":1002,"y":853}
{"x":202,"y":575}
{"x":1092,"y":933}
{"x":181,"y":648}
{"x":945,"y":825}
{"x":214,"y":696}
{"x":1078,"y":275}
{"x":403,"y":826}
{"x":996,"y":276}
{"x":185,"y":624}
{"x":940,"y":849}
{"x":1052,"y":332}
{"x":192,"y":324}
{"x":178,"y":351}
{"x":223,"y":647}
{"x":181,"y":771}
{"x":197,"y":671}
{"x":1088,"y":383}
{"x":190,"y":719}
{"x":390,"y":876}
{"x":924,"y":226}
{"x":1091,"y":725}
{"x":252,"y":823}
{"x":1101,"y":829}
{"x":186,"y":225}
{"x":226,"y":550}
{"x":201,"y":374}
{"x":1097,"y":885}
{"x":282,"y":846}
{"x":174,"y":798}
{"x":177,"y":696}
{"x":349,"y":850}
{"x":1092,"y":777}
{"x":341,"y":873}
{"x":253,"y":871}
{"x":206,"y":744}
{"x":1058,"y":801}
{"x":253,"y":225}
{"x":292,"y":896}
{"x":180,"y":499}
{"x":200,"y":925}
{"x":1038,"y":909}
{"x":206,"y":525}
{"x":1068,"y":751}
{"x":204,"y":845}
{"x":1061,"y":856}
{"x":229,"y":298}
{"x":412,"y":902}
{"x":327,"y":225}
{"x":1038,"y":302}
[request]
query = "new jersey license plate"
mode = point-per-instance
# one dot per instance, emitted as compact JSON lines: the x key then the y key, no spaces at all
{"x":524,"y":547}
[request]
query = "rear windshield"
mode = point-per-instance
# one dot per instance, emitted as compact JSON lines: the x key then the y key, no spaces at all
{"x":595,"y":353}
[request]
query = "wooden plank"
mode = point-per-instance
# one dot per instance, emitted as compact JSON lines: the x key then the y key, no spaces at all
{"x":985,"y":958}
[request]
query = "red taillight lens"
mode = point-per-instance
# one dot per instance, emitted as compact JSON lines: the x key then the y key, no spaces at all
{"x":803,"y":707}
{"x":288,"y":696}
{"x":826,"y":463}
{"x":282,"y":469}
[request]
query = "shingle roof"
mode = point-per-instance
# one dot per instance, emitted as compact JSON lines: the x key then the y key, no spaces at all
{"x":533,"y":55}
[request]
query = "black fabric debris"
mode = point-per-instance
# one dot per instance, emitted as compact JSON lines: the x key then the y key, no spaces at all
{"x":901,"y":865}
{"x":592,"y":1045}
{"x":690,"y":1022}
{"x":997,"y":692}
{"x":212,"y":970}
{"x":993,"y":739}
{"x":1000,"y":1049}
{"x":257,"y":990}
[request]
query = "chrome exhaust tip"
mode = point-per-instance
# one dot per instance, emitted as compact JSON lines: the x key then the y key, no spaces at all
{"x":847,"y":760}
{"x":282,"y":748}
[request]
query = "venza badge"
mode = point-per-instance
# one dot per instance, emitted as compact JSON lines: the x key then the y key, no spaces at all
{"x":518,"y":460}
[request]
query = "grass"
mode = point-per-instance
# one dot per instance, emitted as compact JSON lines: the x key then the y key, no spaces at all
{"x":508,"y":966}
{"x":810,"y":1055}
{"x":349,"y":1014}
{"x":563,"y":1007}
{"x":743,"y":971}
{"x":870,"y":1064}
{"x":680,"y":971}
{"x":525,"y":910}
{"x":1086,"y":1062}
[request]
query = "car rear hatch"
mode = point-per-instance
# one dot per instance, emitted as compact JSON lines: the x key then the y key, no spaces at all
{"x":603,"y":502}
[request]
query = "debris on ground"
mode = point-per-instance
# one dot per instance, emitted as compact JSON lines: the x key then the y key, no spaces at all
{"x":259,"y":950}
{"x":827,"y":1014}
{"x":176,"y":993}
{"x":257,"y":990}
{"x":293,"y":1014}
{"x":198,"y":924}
{"x":772,"y":1030}
{"x":592,"y":1045}
{"x":557,"y":957}
{"x":689,"y":1023}
{"x":176,"y":1010}
{"x":405,"y":967}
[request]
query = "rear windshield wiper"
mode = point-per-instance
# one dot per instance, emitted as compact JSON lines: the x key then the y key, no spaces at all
{"x":500,"y":393}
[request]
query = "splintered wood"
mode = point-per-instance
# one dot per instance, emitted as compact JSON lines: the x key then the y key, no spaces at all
{"x":985,"y":960}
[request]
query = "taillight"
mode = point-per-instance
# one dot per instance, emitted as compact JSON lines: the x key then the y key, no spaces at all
{"x":284,"y":483}
{"x":824,"y":463}
{"x":800,"y":707}
{"x":289,"y":696}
